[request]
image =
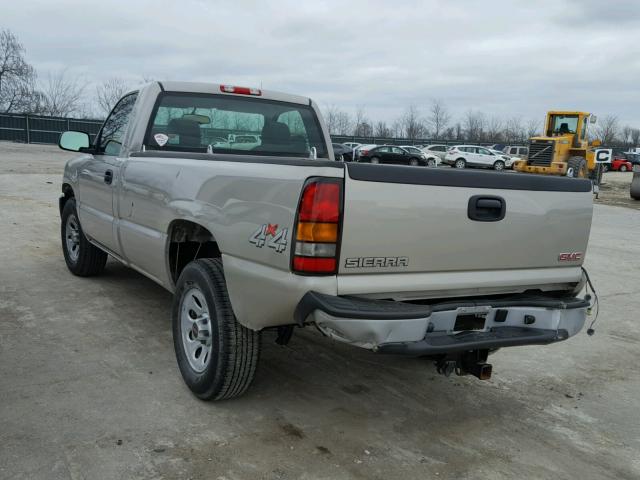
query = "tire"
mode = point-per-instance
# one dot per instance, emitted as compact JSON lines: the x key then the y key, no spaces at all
{"x":203,"y":320}
{"x":498,"y":165}
{"x":374,"y":160}
{"x":414,"y":162}
{"x":577,"y":168}
{"x":431,"y":163}
{"x":623,"y":168}
{"x":460,"y":163}
{"x":82,"y":258}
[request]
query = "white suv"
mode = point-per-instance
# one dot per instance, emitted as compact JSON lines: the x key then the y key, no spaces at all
{"x":438,"y":150}
{"x":462,"y":156}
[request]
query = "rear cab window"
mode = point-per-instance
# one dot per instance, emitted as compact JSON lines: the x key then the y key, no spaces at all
{"x":195,"y":122}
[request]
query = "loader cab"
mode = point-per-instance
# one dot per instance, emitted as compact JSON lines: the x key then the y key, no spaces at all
{"x":568,"y":124}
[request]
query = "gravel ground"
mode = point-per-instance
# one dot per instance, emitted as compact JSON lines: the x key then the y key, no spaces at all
{"x":89,"y":387}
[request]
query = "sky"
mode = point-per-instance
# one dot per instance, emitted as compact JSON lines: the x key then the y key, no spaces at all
{"x":504,"y":58}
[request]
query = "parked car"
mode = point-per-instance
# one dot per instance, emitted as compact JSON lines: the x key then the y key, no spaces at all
{"x":634,"y":158}
{"x":497,"y":146}
{"x":394,"y":154}
{"x":515,"y":150}
{"x":432,"y":159}
{"x":619,"y":163}
{"x":462,"y":156}
{"x":508,"y":160}
{"x":360,"y":149}
{"x":393,"y":260}
{"x":352,"y":145}
{"x":342,"y":152}
{"x":437,"y":149}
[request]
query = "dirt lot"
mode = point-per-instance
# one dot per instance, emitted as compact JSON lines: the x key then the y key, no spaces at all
{"x":89,"y":387}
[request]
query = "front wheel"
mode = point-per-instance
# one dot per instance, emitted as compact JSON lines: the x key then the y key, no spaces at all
{"x":217,"y":356}
{"x":577,"y":167}
{"x":623,"y":168}
{"x":413,"y":162}
{"x":431,"y":162}
{"x":82,"y":258}
{"x":499,"y":165}
{"x":460,"y":163}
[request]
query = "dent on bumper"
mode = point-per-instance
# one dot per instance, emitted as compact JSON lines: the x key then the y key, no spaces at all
{"x":430,"y":329}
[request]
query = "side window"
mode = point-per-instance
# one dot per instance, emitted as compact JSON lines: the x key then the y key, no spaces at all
{"x":397,"y":150}
{"x":110,"y":140}
{"x":524,"y":151}
{"x":383,"y":149}
{"x":483,"y":151}
{"x":513,"y":151}
{"x":439,"y":148}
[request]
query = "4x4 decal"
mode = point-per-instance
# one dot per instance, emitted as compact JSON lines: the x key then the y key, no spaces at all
{"x":268,"y":234}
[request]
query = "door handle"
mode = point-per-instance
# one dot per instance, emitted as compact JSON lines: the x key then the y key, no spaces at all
{"x":108,"y":177}
{"x":486,"y":208}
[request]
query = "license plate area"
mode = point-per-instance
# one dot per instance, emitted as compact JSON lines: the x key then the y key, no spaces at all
{"x":470,"y":321}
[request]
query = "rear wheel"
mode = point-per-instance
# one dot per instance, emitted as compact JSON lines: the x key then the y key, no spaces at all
{"x":460,"y":163}
{"x":498,"y":165}
{"x":375,"y":160}
{"x":82,"y":258}
{"x":577,"y":167}
{"x":216,"y":355}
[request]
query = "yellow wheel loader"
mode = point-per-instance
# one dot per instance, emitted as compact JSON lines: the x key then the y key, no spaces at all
{"x":563,"y":149}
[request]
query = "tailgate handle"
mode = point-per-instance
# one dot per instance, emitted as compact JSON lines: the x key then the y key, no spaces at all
{"x":486,"y":208}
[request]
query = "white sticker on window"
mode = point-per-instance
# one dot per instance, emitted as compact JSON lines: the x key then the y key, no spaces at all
{"x":161,"y":139}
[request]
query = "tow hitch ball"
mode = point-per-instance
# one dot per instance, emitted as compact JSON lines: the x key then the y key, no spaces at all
{"x":473,"y":362}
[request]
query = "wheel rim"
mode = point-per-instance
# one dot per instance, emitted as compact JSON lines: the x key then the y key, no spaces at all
{"x":459,"y":164}
{"x":623,"y":168}
{"x":498,"y":166}
{"x":413,"y":162}
{"x":72,"y":237}
{"x":431,"y":163}
{"x":375,"y":160}
{"x":195,"y":326}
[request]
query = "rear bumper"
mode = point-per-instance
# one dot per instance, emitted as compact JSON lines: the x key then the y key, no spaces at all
{"x":409,"y":329}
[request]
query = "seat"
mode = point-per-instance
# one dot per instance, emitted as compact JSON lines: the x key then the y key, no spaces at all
{"x":564,"y":128}
{"x":188,"y":131}
{"x":275,"y":133}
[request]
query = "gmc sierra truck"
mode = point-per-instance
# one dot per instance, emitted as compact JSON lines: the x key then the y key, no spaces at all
{"x":274,"y":234}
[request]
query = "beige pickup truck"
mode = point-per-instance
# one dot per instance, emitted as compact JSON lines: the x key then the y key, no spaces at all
{"x":276,"y":234}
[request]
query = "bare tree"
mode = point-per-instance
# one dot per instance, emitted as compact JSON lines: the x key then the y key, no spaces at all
{"x":61,"y":95}
{"x":361,"y":124}
{"x":494,"y":130}
{"x":626,"y":135}
{"x":439,"y":118}
{"x":514,"y":131}
{"x":607,"y":129}
{"x":458,"y":132}
{"x":109,"y":92}
{"x":635,"y":137}
{"x":381,"y":130}
{"x":474,"y":125}
{"x":412,"y":123}
{"x":534,"y":128}
{"x":17,"y":77}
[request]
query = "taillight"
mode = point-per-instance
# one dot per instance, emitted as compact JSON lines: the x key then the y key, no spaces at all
{"x":364,"y":152}
{"x":240,"y":90}
{"x":318,"y":227}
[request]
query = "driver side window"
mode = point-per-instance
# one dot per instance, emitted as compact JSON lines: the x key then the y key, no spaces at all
{"x":110,"y":138}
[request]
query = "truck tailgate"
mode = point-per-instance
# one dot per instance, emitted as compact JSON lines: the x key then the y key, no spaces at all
{"x":419,"y":220}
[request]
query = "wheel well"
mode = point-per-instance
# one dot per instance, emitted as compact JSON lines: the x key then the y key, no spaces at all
{"x":67,"y":193}
{"x":187,"y":242}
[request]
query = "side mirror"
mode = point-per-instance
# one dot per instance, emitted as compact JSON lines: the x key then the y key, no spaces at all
{"x":593,"y":119}
{"x":74,"y":141}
